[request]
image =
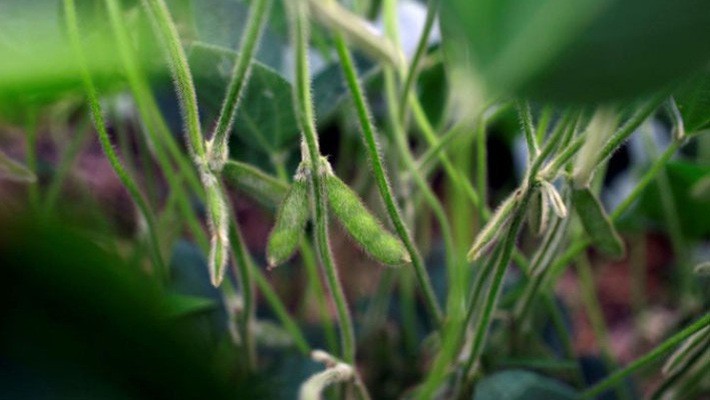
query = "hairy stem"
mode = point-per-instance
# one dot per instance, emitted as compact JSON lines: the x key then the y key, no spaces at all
{"x":106,"y":145}
{"x":368,"y":132}
{"x":303,"y":104}
{"x":240,"y":76}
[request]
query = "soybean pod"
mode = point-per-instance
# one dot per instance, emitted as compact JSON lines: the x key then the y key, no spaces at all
{"x":290,"y":222}
{"x":364,"y":227}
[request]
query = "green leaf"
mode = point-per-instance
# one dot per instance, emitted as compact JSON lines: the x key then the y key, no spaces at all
{"x":597,"y":223}
{"x":693,"y":101}
{"x":179,"y":305}
{"x":583,"y":50}
{"x":37,"y":58}
{"x":693,"y":214}
{"x":522,"y":385}
{"x":265,"y":118}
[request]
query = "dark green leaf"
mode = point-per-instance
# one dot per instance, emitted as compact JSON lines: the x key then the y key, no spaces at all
{"x":179,"y":305}
{"x":583,"y":50}
{"x":694,"y":103}
{"x":522,"y":385}
{"x":693,"y":214}
{"x":265,"y":118}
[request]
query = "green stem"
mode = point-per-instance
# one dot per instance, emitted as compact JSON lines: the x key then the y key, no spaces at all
{"x":596,"y":317}
{"x":240,"y":76}
{"x":482,"y":168}
{"x":629,"y":127}
{"x":281,"y":312}
{"x":160,"y":16}
{"x":303,"y":104}
{"x":245,"y":266}
{"x":491,"y":297}
{"x":368,"y":133}
{"x":156,"y":128}
{"x":412,"y":71}
{"x":65,"y":165}
{"x":32,"y":156}
{"x":672,"y":220}
{"x":105,"y":141}
{"x":526,"y":121}
{"x":645,"y":180}
{"x":616,"y":378}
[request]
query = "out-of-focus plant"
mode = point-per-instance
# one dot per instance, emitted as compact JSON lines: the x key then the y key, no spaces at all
{"x":577,"y":78}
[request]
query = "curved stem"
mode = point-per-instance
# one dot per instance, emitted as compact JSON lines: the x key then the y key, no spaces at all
{"x":155,"y":125}
{"x":240,"y":76}
{"x":160,"y":15}
{"x":653,"y":355}
{"x":303,"y":105}
{"x":491,"y":297}
{"x":629,"y":127}
{"x":105,"y":141}
{"x":368,"y":133}
{"x":412,"y":71}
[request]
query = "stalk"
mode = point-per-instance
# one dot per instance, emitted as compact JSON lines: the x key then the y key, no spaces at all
{"x":653,"y":355}
{"x":303,"y":105}
{"x":413,"y":70}
{"x":240,"y":76}
{"x":368,"y":132}
{"x":100,"y":124}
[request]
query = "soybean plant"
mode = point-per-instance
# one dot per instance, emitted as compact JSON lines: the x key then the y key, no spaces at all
{"x":536,"y":72}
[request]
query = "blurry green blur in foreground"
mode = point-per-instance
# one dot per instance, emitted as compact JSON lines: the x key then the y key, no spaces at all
{"x":78,"y":322}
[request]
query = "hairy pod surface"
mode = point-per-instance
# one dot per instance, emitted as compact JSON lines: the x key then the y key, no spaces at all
{"x":538,"y":213}
{"x":597,"y":223}
{"x":290,"y":223}
{"x":362,"y":225}
{"x":218,"y":219}
{"x":490,"y":232}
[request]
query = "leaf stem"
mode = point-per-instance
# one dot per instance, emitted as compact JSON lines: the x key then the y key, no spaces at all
{"x":368,"y":133}
{"x":413,"y":70}
{"x":160,"y":15}
{"x":217,"y":146}
{"x":106,"y":145}
{"x":649,"y":357}
{"x":303,"y":104}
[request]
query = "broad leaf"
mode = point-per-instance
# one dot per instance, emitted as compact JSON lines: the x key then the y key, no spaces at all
{"x":694,"y":103}
{"x":581,"y":50}
{"x":522,"y":385}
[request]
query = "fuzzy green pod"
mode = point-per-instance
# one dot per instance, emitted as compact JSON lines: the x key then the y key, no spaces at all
{"x":490,"y":232}
{"x":362,"y":225}
{"x":290,"y":223}
{"x":538,"y":213}
{"x":218,"y":220}
{"x":597,"y":223}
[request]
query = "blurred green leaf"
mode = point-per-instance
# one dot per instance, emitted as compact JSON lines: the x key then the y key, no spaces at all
{"x":581,"y":50}
{"x":522,"y":385}
{"x":693,"y":101}
{"x":693,"y":212}
{"x":182,"y":305}
{"x":38,"y":62}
